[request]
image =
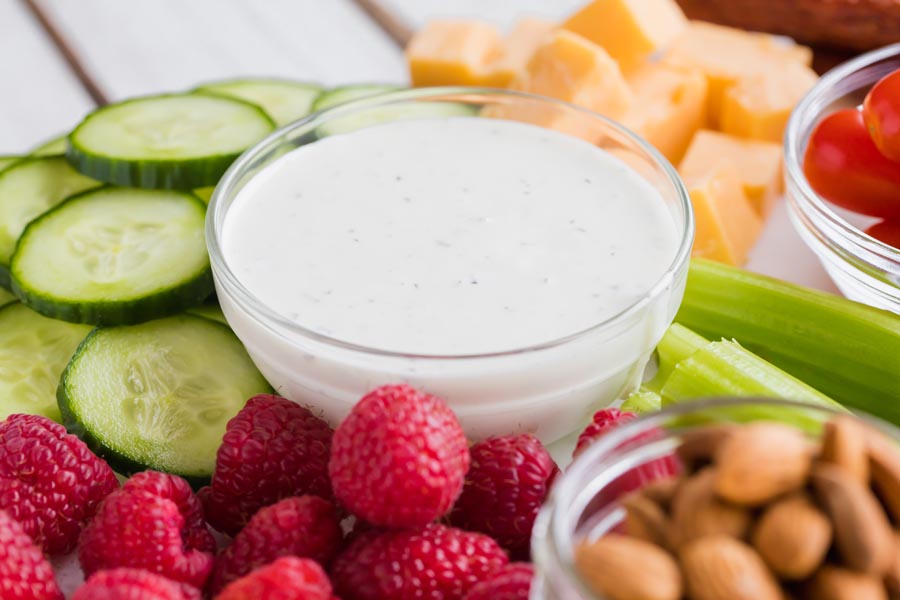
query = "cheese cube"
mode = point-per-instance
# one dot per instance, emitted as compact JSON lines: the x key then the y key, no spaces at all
{"x":727,"y":55}
{"x":758,"y":164}
{"x":453,"y":53}
{"x":759,"y":106}
{"x":517,"y":48}
{"x":669,"y":106}
{"x":630,"y":30}
{"x":726,"y":224}
{"x":568,"y":67}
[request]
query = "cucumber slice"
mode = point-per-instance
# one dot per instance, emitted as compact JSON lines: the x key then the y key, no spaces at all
{"x":27,"y":189}
{"x":114,"y":256}
{"x":6,"y":161}
{"x":6,"y":297}
{"x":57,"y":145}
{"x":345,"y":93}
{"x":284,"y":101}
{"x":205,"y":193}
{"x":208,"y":311}
{"x":180,"y":141}
{"x":34,"y":350}
{"x":158,"y":395}
{"x":394,"y":112}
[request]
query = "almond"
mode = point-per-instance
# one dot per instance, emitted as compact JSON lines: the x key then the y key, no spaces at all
{"x":624,"y":568}
{"x":761,"y":461}
{"x":700,"y":445}
{"x":862,"y":533}
{"x":793,"y":537}
{"x":644,"y":519}
{"x":697,"y":512}
{"x":723,"y":568}
{"x":892,"y":577}
{"x":844,"y":445}
{"x":834,"y":583}
{"x":884,"y":464}
{"x":662,"y":491}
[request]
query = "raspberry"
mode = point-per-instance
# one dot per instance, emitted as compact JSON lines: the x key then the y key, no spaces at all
{"x":306,"y":527}
{"x":24,"y":572}
{"x":133,"y":584}
{"x":512,"y":582}
{"x":50,"y":482}
{"x":399,"y":458}
{"x":434,"y":562}
{"x":603,"y":421}
{"x":272,"y":449}
{"x":504,"y":490}
{"x":288,"y":578}
{"x":152,"y":524}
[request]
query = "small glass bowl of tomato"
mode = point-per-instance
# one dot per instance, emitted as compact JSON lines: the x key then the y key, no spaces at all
{"x":864,"y":267}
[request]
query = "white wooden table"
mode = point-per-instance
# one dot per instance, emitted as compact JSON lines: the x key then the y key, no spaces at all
{"x":61,"y":58}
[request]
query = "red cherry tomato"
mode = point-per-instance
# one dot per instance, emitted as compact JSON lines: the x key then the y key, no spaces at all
{"x":843,"y":165}
{"x":881,"y":111}
{"x":886,"y":231}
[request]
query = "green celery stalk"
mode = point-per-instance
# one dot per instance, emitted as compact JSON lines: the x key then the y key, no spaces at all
{"x":642,"y":401}
{"x":848,"y":351}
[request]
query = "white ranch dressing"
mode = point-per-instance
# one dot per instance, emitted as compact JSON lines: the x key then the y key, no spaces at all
{"x":449,"y":236}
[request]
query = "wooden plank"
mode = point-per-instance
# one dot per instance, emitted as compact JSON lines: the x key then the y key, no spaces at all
{"x":148,"y":46}
{"x":416,"y":13}
{"x":41,"y":98}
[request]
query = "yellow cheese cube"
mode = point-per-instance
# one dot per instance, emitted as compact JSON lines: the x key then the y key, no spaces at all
{"x":727,"y":55}
{"x":630,"y":30}
{"x":669,"y":106}
{"x":758,"y":164}
{"x":759,"y":106}
{"x":453,"y":53}
{"x":726,"y":224}
{"x":571,"y":68}
{"x":517,"y":48}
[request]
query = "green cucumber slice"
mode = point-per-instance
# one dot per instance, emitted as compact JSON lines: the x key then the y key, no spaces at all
{"x":205,"y":193}
{"x":114,"y":255}
{"x":34,"y":350}
{"x":27,"y":189}
{"x":208,"y":311}
{"x":284,"y":101}
{"x":158,"y":395}
{"x":56,"y":146}
{"x":394,"y":112}
{"x":6,"y":161}
{"x":345,"y":93}
{"x":6,"y":297}
{"x":179,"y":141}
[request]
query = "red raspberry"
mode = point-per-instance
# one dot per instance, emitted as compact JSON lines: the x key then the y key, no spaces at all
{"x":603,"y":421}
{"x":512,"y":582}
{"x":504,"y":490}
{"x":24,"y":572}
{"x":306,"y":527}
{"x":288,"y":578}
{"x":152,"y":524}
{"x":434,"y":562}
{"x":399,"y":458}
{"x":272,"y":449}
{"x":133,"y":584}
{"x":50,"y":482}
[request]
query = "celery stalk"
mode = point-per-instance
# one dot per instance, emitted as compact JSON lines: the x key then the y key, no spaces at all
{"x":642,"y":401}
{"x":847,"y":350}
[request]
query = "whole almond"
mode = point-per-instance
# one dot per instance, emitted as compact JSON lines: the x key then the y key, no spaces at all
{"x":644,"y":519}
{"x":844,"y":444}
{"x":723,"y":568}
{"x":624,"y":568}
{"x":834,"y":583}
{"x":700,"y":445}
{"x":662,"y":491}
{"x":761,"y":461}
{"x":793,"y":536}
{"x":892,"y":577}
{"x":884,"y":465}
{"x":697,"y":512}
{"x":862,"y":533}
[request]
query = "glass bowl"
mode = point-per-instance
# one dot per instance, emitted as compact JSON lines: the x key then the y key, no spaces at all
{"x":550,"y":389}
{"x":583,"y":503}
{"x":864,"y":268}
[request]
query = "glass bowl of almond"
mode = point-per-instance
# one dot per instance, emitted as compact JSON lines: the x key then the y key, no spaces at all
{"x":727,"y":499}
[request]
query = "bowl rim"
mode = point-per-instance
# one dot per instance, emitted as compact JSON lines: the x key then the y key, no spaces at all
{"x":263,"y":314}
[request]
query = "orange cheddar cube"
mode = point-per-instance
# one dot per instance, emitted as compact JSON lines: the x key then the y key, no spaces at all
{"x":727,"y":227}
{"x":727,"y":55}
{"x":453,"y":53}
{"x":517,"y":48}
{"x":669,"y":106}
{"x":569,"y":67}
{"x":759,"y":106}
{"x":758,"y":163}
{"x":630,"y":30}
